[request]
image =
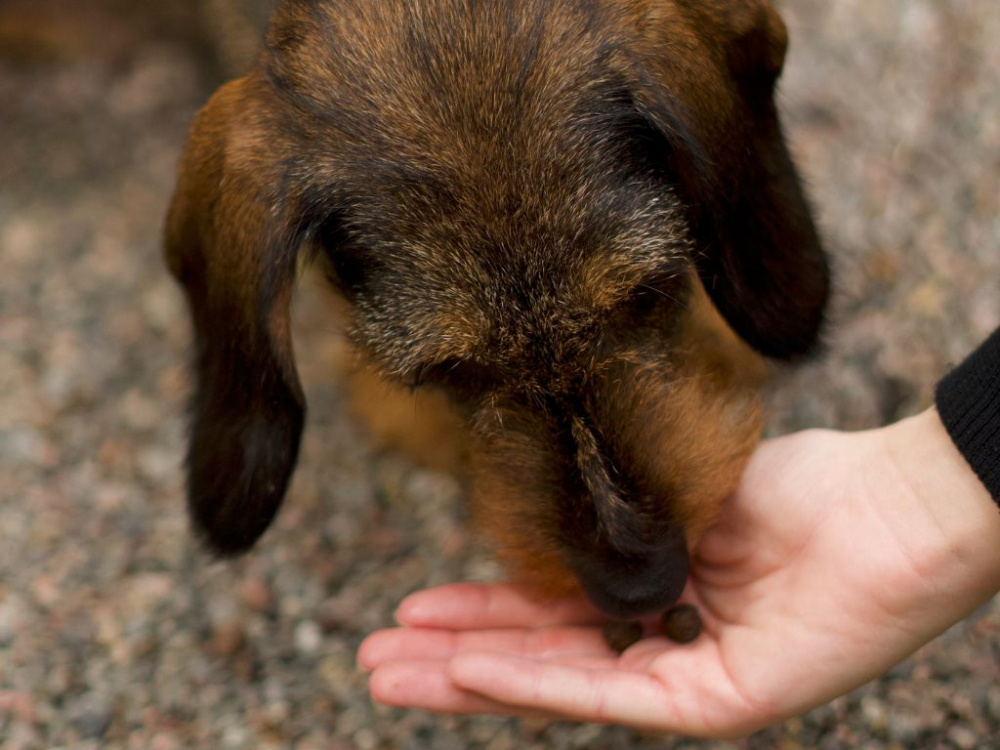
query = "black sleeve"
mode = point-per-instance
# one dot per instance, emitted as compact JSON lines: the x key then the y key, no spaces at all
{"x":968,"y":400}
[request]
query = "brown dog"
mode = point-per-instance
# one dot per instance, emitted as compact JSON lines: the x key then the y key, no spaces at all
{"x":517,"y":199}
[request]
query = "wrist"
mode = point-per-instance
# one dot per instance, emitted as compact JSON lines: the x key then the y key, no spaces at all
{"x":952,"y":523}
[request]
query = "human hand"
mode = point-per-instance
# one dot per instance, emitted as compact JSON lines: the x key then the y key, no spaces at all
{"x":838,"y":556}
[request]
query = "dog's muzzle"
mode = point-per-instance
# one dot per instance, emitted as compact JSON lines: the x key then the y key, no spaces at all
{"x":629,"y":585}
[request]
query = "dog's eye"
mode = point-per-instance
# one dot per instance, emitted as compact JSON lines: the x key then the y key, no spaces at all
{"x":458,"y":375}
{"x":350,"y":268}
{"x":645,"y":300}
{"x":349,"y":262}
{"x":436,"y":373}
{"x":420,"y":376}
{"x":657,"y":294}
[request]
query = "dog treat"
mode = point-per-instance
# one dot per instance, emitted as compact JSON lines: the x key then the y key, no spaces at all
{"x":620,"y":634}
{"x":681,"y":623}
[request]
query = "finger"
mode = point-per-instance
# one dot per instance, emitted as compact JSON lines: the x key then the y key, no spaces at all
{"x":601,"y":695}
{"x":408,"y":644}
{"x":425,"y":685}
{"x":474,"y":606}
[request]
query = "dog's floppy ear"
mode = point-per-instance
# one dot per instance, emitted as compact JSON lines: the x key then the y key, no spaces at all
{"x":758,"y":251}
{"x":232,"y":240}
{"x":760,"y":257}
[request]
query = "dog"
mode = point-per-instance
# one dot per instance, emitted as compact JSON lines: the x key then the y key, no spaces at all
{"x":578,"y":220}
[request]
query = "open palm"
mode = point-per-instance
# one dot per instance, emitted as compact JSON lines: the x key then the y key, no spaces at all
{"x":819,"y":576}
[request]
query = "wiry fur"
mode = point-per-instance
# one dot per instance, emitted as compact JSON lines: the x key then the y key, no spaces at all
{"x":520,"y":200}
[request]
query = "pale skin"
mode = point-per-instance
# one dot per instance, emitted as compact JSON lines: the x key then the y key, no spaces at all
{"x":838,"y":556}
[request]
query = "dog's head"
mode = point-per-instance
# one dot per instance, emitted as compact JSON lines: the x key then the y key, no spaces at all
{"x":522,"y":201}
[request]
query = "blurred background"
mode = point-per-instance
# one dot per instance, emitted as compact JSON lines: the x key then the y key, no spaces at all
{"x":116,"y":631}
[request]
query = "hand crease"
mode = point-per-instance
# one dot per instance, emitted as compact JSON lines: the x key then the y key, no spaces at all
{"x":913,"y":559}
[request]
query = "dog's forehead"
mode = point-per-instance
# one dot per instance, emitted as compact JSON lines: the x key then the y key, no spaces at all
{"x":440,"y":76}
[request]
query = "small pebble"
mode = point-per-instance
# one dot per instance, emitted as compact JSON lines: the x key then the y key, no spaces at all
{"x":619,"y":634}
{"x":681,"y":623}
{"x":228,"y":637}
{"x":963,"y":737}
{"x":257,"y":595}
{"x":308,"y":638}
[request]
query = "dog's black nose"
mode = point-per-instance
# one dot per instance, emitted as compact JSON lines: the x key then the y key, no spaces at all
{"x":631,"y":584}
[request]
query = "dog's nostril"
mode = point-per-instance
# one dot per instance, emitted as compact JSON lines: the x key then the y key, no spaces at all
{"x":628,"y":586}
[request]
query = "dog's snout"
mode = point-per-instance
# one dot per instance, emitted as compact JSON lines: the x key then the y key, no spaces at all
{"x":630,"y":560}
{"x":626,"y":586}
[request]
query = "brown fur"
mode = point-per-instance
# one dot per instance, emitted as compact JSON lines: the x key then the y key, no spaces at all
{"x":536,"y":209}
{"x":423,"y":425}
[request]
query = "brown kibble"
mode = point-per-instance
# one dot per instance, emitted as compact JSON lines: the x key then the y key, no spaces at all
{"x":620,"y":634}
{"x":681,"y":623}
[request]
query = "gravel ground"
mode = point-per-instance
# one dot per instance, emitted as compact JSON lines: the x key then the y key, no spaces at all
{"x":116,"y":631}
